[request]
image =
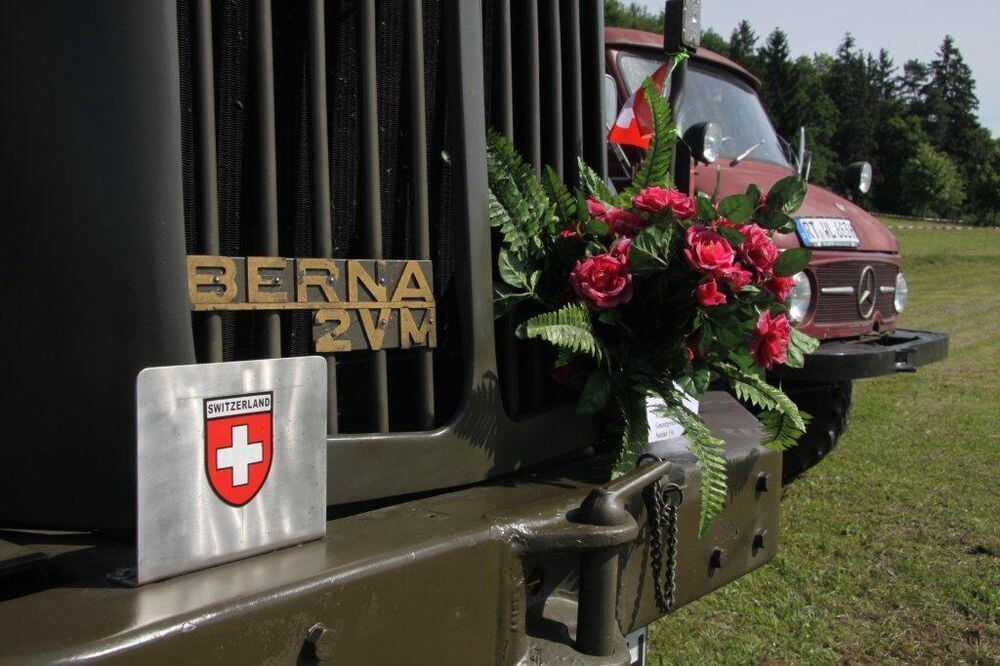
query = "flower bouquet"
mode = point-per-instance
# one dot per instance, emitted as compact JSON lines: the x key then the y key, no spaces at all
{"x":650,"y":293}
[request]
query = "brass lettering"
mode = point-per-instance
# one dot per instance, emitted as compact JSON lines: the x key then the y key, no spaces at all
{"x":356,"y":274}
{"x":256,"y":282}
{"x":421,"y":291}
{"x":374,"y":328}
{"x":410,"y":334}
{"x":218,"y":273}
{"x":304,"y":278}
{"x":327,"y":343}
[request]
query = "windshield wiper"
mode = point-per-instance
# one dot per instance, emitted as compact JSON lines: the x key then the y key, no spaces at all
{"x":746,"y":153}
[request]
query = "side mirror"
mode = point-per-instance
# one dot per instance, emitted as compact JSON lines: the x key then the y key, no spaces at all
{"x":609,"y":102}
{"x":705,"y":141}
{"x":859,"y":176}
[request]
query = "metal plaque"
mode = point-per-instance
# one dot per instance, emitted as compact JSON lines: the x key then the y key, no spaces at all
{"x":231,"y":462}
{"x":357,"y":304}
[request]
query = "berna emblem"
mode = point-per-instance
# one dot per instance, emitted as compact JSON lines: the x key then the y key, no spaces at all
{"x":238,"y":445}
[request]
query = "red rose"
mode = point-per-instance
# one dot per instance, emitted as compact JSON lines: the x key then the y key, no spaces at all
{"x":619,"y":249}
{"x":737,"y":278}
{"x":708,"y":252}
{"x":596,"y":208}
{"x":623,"y":223}
{"x":779,"y":285}
{"x":770,"y":340}
{"x":758,"y":251}
{"x":602,"y":281}
{"x":691,"y":352}
{"x":654,"y":199}
{"x":569,"y":232}
{"x":709,"y":294}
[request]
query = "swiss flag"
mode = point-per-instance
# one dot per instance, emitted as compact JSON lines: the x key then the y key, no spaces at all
{"x":634,"y":126}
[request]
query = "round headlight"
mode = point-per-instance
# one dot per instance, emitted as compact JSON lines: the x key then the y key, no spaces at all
{"x":712,"y":147}
{"x":799,"y":298}
{"x":902,"y":293}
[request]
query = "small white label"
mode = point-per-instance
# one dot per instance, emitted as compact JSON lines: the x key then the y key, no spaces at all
{"x":661,"y":427}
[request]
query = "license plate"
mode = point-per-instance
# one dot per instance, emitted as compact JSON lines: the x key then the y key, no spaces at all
{"x":826,"y":232}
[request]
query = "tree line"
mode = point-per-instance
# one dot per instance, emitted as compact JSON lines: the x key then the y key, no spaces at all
{"x":915,"y":123}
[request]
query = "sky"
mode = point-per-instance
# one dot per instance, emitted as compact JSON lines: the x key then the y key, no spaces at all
{"x":907,"y":28}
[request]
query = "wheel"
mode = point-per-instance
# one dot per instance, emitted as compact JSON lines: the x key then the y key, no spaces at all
{"x":829,"y":405}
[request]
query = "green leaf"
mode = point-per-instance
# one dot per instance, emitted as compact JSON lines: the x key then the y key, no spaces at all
{"x":505,"y":298}
{"x":610,"y":317}
{"x":568,"y":328}
{"x":565,"y":204}
{"x":596,"y":394}
{"x":737,"y":208}
{"x":706,"y":211}
{"x":787,"y":194}
{"x":512,"y":270}
{"x":650,"y":249}
{"x":792,"y":261}
{"x":781,"y":419}
{"x":753,"y":193}
{"x":734,"y":236}
{"x":591,"y":183}
{"x":655,"y":169}
{"x":596,"y":227}
{"x":776,"y":220}
{"x":806,"y":343}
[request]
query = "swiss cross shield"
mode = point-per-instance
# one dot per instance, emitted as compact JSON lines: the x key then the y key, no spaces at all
{"x":238,"y":445}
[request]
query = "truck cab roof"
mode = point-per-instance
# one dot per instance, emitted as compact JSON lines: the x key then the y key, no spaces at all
{"x":631,"y":39}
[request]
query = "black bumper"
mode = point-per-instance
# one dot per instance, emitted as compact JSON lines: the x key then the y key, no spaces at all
{"x":840,"y":360}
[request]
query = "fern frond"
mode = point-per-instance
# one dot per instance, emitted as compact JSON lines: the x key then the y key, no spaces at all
{"x":592,"y":184}
{"x":635,"y":431}
{"x":512,"y":234}
{"x":655,"y":169}
{"x":516,"y":187}
{"x":565,"y":204}
{"x":781,"y":419}
{"x":710,"y":453}
{"x":567,"y":328}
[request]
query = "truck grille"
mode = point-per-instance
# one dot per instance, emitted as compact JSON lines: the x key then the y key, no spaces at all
{"x":838,"y":308}
{"x":317,"y":129}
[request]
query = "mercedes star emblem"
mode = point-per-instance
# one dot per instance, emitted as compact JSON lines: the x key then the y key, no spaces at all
{"x":867,"y":289}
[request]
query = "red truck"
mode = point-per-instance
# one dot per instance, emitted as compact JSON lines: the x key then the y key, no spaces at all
{"x":851,"y":294}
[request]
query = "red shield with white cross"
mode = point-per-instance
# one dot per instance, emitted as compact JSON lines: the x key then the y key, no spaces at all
{"x":238,"y":445}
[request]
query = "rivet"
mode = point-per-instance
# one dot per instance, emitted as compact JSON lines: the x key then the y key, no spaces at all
{"x":276,"y":280}
{"x":383,"y":322}
{"x":431,"y":320}
{"x":330,"y":279}
{"x":381,"y":280}
{"x":216,"y":279}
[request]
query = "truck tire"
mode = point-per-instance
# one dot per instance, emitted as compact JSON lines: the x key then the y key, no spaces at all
{"x":829,"y":404}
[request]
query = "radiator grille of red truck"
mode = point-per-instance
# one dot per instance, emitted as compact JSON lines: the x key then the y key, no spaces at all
{"x":843,"y":307}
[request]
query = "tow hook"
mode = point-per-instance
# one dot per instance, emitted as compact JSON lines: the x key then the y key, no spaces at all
{"x":597,"y":626}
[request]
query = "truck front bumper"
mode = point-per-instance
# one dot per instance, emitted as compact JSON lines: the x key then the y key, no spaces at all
{"x":841,"y":360}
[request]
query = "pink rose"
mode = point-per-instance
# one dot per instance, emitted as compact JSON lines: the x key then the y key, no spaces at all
{"x":707,"y":252}
{"x":596,"y":208}
{"x":780,"y":285}
{"x":709,"y":294}
{"x":623,"y":223}
{"x":654,"y":199}
{"x":737,"y":278}
{"x":619,"y":249}
{"x":569,"y":232}
{"x":602,"y":281}
{"x":770,"y":340}
{"x":758,"y":251}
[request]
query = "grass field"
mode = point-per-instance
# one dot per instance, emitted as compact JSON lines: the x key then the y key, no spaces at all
{"x":890,"y":548}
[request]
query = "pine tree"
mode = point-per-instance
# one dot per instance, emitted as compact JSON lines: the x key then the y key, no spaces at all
{"x":951,"y":100}
{"x":849,"y":87}
{"x":781,"y":83}
{"x":743,"y":46}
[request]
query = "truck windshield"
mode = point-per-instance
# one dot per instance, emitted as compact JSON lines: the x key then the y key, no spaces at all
{"x":713,"y":94}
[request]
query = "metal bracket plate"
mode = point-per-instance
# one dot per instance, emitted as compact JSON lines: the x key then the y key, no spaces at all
{"x":231,"y":462}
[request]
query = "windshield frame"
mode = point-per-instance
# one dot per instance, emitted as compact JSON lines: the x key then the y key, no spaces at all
{"x":727,"y":77}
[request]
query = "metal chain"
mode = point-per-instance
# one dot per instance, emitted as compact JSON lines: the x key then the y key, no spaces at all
{"x":661,"y":510}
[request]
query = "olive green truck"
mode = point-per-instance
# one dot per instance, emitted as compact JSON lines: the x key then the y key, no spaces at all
{"x":266,"y":414}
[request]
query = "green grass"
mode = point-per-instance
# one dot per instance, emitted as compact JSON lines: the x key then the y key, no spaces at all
{"x":890,"y":548}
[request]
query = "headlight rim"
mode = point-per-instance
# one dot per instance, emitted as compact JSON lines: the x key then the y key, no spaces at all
{"x":803,"y":292}
{"x":901,"y":295}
